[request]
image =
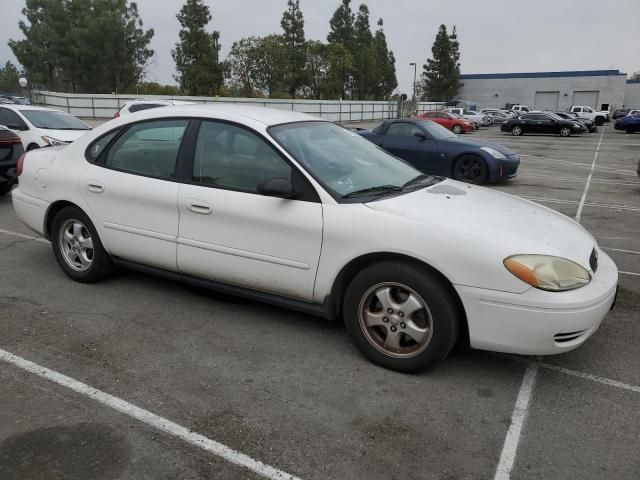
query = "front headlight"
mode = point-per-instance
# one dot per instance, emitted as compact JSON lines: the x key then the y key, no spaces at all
{"x":53,"y":141}
{"x":494,"y":153}
{"x":554,"y":274}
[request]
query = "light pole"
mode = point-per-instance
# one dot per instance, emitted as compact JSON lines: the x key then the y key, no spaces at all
{"x":415,"y":74}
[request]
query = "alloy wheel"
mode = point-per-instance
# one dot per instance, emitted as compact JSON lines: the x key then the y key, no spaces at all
{"x":76,"y":245}
{"x":395,"y":320}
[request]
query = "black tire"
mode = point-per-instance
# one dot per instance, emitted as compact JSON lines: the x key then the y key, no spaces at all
{"x":565,"y":132}
{"x":457,"y":129}
{"x":32,"y":146}
{"x":4,"y":189}
{"x":630,"y":130}
{"x":441,"y":313}
{"x":517,"y":131}
{"x":100,"y":265}
{"x":470,"y":169}
{"x":599,"y":121}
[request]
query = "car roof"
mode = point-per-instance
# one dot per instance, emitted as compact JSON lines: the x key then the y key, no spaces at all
{"x":266,"y":116}
{"x":30,"y":107}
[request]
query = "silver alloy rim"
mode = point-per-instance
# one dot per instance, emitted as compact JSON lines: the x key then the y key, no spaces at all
{"x":395,"y":320}
{"x":76,"y":245}
{"x":565,"y":132}
{"x":517,"y":130}
{"x":457,"y":129}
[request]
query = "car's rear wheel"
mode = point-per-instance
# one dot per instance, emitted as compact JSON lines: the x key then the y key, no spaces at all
{"x":517,"y":131}
{"x":470,"y":169}
{"x":401,"y":316}
{"x":599,"y":121}
{"x":565,"y":132}
{"x":630,"y":130}
{"x":4,"y":188}
{"x":457,"y":129}
{"x":78,"y":248}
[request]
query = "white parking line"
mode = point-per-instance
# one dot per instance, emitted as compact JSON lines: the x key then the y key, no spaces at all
{"x":586,"y":187}
{"x":629,"y":273}
{"x":575,"y":202}
{"x":510,"y":447}
{"x":620,"y":250}
{"x":588,"y":376}
{"x":149,"y":418}
{"x":22,"y":235}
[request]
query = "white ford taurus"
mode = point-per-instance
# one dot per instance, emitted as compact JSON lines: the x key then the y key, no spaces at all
{"x":293,"y":210}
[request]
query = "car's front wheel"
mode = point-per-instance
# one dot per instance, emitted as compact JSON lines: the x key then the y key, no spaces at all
{"x":630,"y":130}
{"x":4,"y":188}
{"x":565,"y":132}
{"x":457,"y":129}
{"x":517,"y":131}
{"x":78,"y":248}
{"x":400,"y":316}
{"x":470,"y":169}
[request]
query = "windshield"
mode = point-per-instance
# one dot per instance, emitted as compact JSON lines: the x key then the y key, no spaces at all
{"x":437,"y":131}
{"x":341,"y":159}
{"x":51,"y":120}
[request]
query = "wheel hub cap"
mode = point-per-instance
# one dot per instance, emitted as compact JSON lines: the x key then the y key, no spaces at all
{"x":76,"y":245}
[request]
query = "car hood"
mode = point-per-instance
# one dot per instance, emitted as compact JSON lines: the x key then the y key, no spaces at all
{"x":480,"y":143}
{"x":64,"y":135}
{"x":492,"y":221}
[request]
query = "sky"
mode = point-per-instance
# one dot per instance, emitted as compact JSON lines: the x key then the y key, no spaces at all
{"x":495,"y":35}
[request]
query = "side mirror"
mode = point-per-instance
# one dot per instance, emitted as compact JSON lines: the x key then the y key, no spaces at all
{"x":421,"y":135}
{"x":276,"y":187}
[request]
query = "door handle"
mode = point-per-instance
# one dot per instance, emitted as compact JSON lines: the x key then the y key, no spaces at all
{"x":199,"y":207}
{"x":95,"y":187}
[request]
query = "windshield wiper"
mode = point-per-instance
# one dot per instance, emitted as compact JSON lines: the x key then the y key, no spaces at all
{"x":419,"y":179}
{"x":377,"y":190}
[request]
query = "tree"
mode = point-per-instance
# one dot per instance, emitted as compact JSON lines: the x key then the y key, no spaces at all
{"x":293,"y":26}
{"x":9,"y":77}
{"x":364,"y":75}
{"x":386,"y":81}
{"x":83,"y":45}
{"x":341,"y":30}
{"x":242,"y":63}
{"x":441,"y":76}
{"x":197,"y":53}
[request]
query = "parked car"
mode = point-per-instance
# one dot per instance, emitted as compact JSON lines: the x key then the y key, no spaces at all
{"x":630,"y":123}
{"x":6,"y":101}
{"x":590,"y":124}
{"x":294,"y":210}
{"x":496,"y":116}
{"x":454,"y":123}
{"x":145,"y":104}
{"x":40,"y":126}
{"x":477,"y":118}
{"x":542,"y":123}
{"x":433,"y":149}
{"x":587,"y":112}
{"x":620,"y":112}
{"x":11,"y":150}
{"x":520,"y":109}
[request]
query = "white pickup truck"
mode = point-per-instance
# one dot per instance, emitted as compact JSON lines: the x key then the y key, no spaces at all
{"x":587,"y":112}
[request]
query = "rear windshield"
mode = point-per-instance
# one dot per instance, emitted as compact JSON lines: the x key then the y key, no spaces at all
{"x":51,"y":120}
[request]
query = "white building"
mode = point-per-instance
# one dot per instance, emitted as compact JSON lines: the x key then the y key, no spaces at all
{"x":599,"y":89}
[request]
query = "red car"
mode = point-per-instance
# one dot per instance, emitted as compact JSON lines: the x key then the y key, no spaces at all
{"x":447,"y":120}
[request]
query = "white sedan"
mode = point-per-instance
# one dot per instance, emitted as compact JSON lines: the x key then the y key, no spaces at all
{"x":299,"y":212}
{"x":40,"y":126}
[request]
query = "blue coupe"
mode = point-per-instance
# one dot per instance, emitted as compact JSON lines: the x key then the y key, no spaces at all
{"x":433,"y":149}
{"x":630,"y":123}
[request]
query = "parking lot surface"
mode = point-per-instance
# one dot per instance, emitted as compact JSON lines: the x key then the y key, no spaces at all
{"x":291,"y":391}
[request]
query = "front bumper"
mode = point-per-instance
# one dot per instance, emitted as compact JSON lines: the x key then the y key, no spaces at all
{"x":537,"y":322}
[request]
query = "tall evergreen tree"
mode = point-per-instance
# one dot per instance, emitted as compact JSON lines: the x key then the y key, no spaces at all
{"x":197,"y":53}
{"x":341,"y":30}
{"x":9,"y":77}
{"x":293,"y":26}
{"x":385,"y":68}
{"x":364,"y":56}
{"x":441,"y":75}
{"x":83,"y":45}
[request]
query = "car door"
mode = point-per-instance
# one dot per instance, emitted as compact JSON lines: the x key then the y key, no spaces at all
{"x":230,"y":232}
{"x":529,"y":123}
{"x":131,"y":189}
{"x":546,"y":124}
{"x":421,"y":152}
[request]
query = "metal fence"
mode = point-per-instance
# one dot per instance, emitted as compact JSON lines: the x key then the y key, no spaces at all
{"x":105,"y":106}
